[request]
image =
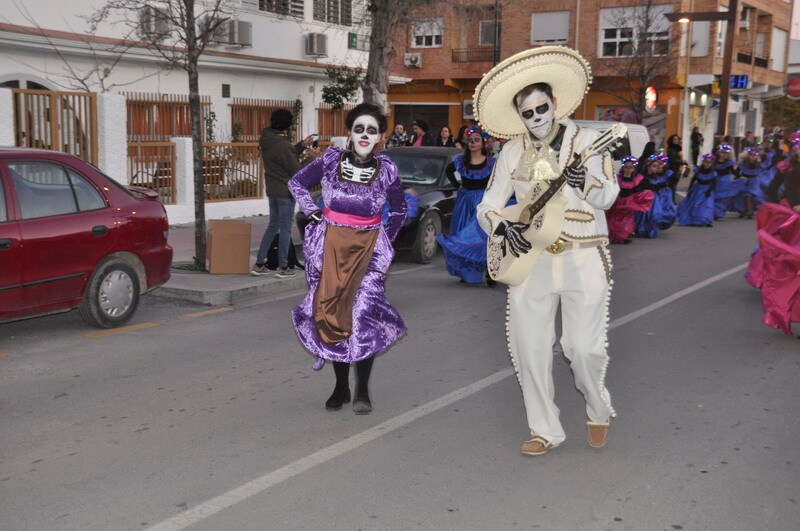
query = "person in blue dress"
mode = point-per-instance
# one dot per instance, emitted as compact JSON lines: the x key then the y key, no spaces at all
{"x":751,"y":196}
{"x":697,"y":209}
{"x":465,"y":249}
{"x":728,"y":185}
{"x":662,"y":213}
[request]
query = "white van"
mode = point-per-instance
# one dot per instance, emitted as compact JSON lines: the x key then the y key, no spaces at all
{"x":637,"y":136}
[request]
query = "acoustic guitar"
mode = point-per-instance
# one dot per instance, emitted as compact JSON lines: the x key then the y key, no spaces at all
{"x":542,"y":210}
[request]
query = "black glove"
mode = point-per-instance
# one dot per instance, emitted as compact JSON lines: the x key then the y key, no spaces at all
{"x":576,"y":178}
{"x":512,"y":235}
{"x":315,"y":216}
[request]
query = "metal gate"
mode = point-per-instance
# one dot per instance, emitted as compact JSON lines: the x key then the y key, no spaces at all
{"x":61,"y":121}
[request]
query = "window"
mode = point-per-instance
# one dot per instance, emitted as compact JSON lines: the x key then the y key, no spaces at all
{"x":550,"y":27}
{"x":617,"y":42}
{"x":487,"y":32}
{"x":722,"y":29}
{"x":777,"y":50}
{"x":334,"y":11}
{"x":45,"y":189}
{"x":293,"y":8}
{"x":427,"y":33}
{"x":3,"y":214}
{"x":624,"y":29}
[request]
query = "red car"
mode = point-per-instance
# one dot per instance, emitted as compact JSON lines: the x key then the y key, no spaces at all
{"x":71,"y":237}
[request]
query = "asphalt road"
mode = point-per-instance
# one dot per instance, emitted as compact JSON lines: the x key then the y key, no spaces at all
{"x":214,"y":419}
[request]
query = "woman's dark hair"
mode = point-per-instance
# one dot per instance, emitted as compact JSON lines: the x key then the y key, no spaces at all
{"x":281,"y":119}
{"x":366,"y":108}
{"x":527,"y":91}
{"x":422,"y":124}
{"x":460,"y":136}
{"x":671,"y":138}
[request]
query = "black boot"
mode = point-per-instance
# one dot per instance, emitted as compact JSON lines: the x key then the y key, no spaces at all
{"x":362,"y":404}
{"x":341,"y":393}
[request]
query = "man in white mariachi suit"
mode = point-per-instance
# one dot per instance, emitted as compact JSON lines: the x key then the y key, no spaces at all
{"x":528,"y":98}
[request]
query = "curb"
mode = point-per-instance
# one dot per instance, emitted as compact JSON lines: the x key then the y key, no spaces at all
{"x":225,"y":290}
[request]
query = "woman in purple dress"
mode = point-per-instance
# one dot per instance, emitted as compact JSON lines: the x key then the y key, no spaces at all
{"x":345,"y":318}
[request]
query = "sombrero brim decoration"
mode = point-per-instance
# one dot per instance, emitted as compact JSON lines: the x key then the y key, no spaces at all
{"x":567,"y":73}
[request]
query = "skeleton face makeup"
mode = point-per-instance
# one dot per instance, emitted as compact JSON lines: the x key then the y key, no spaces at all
{"x":364,"y":136}
{"x":537,"y":111}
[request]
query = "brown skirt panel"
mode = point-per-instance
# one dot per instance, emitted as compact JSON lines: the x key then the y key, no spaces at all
{"x":347,"y":254}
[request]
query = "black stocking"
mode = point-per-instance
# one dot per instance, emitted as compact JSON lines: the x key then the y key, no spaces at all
{"x":341,"y":393}
{"x":363,"y":369}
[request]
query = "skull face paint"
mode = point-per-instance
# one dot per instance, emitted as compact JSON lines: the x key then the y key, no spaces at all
{"x":364,"y":136}
{"x":537,"y":112}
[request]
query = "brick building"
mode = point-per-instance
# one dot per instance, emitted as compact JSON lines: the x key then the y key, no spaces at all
{"x":447,"y":47}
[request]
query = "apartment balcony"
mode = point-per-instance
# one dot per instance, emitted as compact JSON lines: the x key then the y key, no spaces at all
{"x":748,"y":59}
{"x":475,"y":55}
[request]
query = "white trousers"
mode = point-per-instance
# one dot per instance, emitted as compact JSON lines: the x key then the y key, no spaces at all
{"x":580,"y":280}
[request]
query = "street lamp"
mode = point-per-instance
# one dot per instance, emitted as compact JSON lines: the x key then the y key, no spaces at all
{"x":727,"y":57}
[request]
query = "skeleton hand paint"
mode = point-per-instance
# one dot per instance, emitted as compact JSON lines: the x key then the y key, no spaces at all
{"x":364,"y":136}
{"x":575,"y":178}
{"x":537,"y":111}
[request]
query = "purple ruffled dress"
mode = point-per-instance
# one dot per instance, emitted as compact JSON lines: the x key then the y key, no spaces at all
{"x":376,"y":323}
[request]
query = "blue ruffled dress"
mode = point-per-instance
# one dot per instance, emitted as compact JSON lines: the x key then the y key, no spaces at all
{"x":727,"y":188}
{"x":465,"y":249}
{"x":662,"y":213}
{"x":697,"y":208}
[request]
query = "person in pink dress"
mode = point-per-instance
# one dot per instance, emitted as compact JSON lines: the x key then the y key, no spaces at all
{"x":632,"y":198}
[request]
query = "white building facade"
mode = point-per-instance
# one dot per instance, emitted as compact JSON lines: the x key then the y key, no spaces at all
{"x":266,"y":50}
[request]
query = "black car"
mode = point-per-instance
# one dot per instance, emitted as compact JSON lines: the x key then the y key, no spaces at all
{"x":431,"y":198}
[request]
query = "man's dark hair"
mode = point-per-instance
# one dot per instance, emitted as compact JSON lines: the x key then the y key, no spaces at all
{"x":527,"y":91}
{"x":366,"y":108}
{"x":281,"y":119}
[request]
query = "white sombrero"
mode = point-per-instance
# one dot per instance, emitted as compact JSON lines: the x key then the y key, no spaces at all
{"x":562,"y":68}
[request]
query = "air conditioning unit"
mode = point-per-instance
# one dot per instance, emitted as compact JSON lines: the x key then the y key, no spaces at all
{"x":219,"y":35}
{"x":317,"y":44}
{"x":153,"y":22}
{"x":240,"y":32}
{"x":469,"y":110}
{"x":413,"y":60}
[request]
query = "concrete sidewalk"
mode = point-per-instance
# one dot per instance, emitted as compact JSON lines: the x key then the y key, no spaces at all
{"x":222,"y":290}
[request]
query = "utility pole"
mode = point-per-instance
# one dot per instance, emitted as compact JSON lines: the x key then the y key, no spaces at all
{"x":727,"y":60}
{"x":496,"y":50}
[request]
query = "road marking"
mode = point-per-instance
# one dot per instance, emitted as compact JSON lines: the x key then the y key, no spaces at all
{"x":120,"y":330}
{"x":234,"y":496}
{"x":675,"y":296}
{"x":210,"y":312}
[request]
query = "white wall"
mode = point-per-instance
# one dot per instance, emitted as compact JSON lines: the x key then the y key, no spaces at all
{"x":273,"y":35}
{"x":6,"y":117}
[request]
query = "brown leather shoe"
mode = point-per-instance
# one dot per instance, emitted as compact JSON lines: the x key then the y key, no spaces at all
{"x":598,"y":433}
{"x":536,"y":445}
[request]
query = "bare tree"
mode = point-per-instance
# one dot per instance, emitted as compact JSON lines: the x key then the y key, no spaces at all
{"x":385,"y":15}
{"x":642,"y":47}
{"x":178,"y":32}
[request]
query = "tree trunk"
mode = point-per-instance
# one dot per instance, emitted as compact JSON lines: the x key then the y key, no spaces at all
{"x":192,"y":58}
{"x":385,"y":14}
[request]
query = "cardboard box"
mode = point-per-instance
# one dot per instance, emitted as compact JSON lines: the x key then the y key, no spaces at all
{"x":228,"y":247}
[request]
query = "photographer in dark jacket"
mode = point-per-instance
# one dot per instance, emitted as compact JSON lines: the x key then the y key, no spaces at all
{"x":281,"y":162}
